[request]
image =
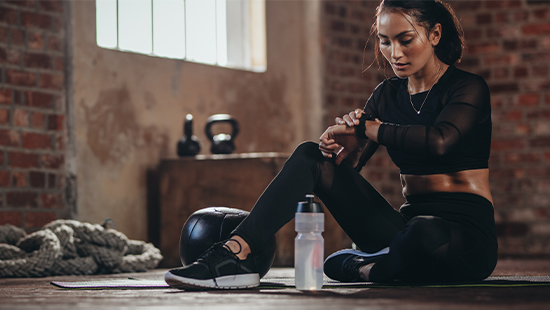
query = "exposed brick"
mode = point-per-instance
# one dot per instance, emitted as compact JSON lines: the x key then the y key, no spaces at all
{"x":21,"y":118}
{"x":500,"y":4}
{"x":23,"y":160}
{"x":14,"y":218}
{"x":56,"y":122}
{"x":23,"y":3}
{"x":520,"y":72}
{"x":511,"y":228}
{"x":38,"y":120}
{"x":33,"y":140}
{"x":484,"y":48}
{"x":529,"y":99}
{"x":6,"y":96}
{"x":17,"y":37}
{"x":9,"y":138}
{"x":52,"y":201}
{"x":8,"y":16}
{"x":20,"y":78}
{"x":4,"y":116}
{"x":541,"y":14}
{"x":536,"y":29}
{"x":52,"y":180}
{"x":515,"y":158}
{"x":507,"y":31}
{"x":53,"y":161}
{"x":51,"y":81}
{"x":337,"y":25}
{"x":508,"y":59}
{"x":539,"y":114}
{"x":51,"y":5}
{"x":22,"y":199}
{"x":3,"y":55}
{"x":59,"y":64}
{"x":523,"y":129}
{"x":513,"y":115}
{"x":35,"y":60}
{"x":38,"y":20}
{"x":507,"y":144}
{"x":4,"y":34}
{"x":484,"y":19}
{"x":37,"y":99}
{"x":513,"y":45}
{"x":521,"y":16}
{"x":537,"y":142}
{"x":502,"y":17}
{"x":35,"y":40}
{"x":37,"y":179}
{"x":536,"y":57}
{"x":54,"y":44}
{"x":19,"y":178}
{"x":472,"y":34}
{"x":60,"y":142}
{"x":540,"y":70}
{"x":504,"y":87}
{"x":4,"y":178}
{"x":501,"y":73}
{"x":38,"y":219}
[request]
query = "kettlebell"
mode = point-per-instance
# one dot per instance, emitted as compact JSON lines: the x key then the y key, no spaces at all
{"x":222,"y":143}
{"x":188,"y":145}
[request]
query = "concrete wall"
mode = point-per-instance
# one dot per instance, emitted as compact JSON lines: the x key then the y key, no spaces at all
{"x":129,"y":108}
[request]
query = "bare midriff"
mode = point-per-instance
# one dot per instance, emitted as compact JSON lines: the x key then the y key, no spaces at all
{"x":467,"y":181}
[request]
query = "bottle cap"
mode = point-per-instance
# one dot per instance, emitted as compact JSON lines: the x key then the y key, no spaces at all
{"x":309,"y":206}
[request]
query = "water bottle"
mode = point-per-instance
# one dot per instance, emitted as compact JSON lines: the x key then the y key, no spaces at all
{"x":309,"y":245}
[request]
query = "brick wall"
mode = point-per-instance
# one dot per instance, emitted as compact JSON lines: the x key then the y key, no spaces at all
{"x":509,"y":45}
{"x":32,"y":113}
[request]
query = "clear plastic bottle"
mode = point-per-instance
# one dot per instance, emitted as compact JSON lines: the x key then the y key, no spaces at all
{"x":309,"y":245}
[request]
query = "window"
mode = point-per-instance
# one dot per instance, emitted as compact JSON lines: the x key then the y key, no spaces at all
{"x":228,"y":33}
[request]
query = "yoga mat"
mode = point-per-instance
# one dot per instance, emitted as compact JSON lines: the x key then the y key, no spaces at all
{"x":288,"y":283}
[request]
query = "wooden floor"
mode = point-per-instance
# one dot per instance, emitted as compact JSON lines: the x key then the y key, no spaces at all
{"x":37,"y":293}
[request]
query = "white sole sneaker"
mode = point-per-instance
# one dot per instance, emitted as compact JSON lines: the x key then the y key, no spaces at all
{"x":233,"y":282}
{"x":359,"y":253}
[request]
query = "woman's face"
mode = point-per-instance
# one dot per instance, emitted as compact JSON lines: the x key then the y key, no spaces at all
{"x":405,"y":46}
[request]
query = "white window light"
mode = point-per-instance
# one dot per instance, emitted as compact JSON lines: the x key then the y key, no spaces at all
{"x":228,"y":33}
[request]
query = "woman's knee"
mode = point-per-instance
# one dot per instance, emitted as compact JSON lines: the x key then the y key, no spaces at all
{"x":307,"y":150}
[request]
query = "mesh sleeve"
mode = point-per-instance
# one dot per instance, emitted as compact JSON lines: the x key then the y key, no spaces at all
{"x":468,"y":105}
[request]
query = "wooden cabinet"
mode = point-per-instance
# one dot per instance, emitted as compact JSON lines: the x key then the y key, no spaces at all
{"x":236,"y":180}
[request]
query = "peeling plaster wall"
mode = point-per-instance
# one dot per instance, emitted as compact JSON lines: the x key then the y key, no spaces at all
{"x":130,"y":108}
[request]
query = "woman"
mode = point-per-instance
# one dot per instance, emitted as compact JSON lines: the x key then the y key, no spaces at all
{"x":435,"y":121}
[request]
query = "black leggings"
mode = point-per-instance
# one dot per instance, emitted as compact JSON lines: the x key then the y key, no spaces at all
{"x":434,"y":237}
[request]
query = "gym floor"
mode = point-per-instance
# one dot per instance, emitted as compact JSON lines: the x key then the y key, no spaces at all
{"x":37,"y":293}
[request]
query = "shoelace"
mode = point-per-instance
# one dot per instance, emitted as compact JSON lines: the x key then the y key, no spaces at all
{"x":217,"y":250}
{"x":351,"y":268}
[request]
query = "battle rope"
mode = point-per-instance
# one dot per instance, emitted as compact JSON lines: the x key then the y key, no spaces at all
{"x":69,"y":247}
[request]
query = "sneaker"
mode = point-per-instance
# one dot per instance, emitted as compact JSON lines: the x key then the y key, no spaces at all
{"x":344,"y":265}
{"x":217,"y":268}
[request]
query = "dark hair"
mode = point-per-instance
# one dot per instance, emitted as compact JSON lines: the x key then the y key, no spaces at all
{"x":428,"y":13}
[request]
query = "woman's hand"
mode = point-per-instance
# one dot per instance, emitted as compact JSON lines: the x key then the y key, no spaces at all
{"x":339,"y":139}
{"x":351,"y":119}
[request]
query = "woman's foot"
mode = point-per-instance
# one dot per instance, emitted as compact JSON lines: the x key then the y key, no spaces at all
{"x":351,"y":265}
{"x":238,"y":246}
{"x":218,"y":268}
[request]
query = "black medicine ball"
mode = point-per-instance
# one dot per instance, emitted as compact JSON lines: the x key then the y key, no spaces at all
{"x":210,"y":225}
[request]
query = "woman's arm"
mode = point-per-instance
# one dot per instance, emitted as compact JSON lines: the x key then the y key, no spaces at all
{"x":469,"y":104}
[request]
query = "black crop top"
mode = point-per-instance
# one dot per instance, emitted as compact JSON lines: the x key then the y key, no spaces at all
{"x":452,"y":133}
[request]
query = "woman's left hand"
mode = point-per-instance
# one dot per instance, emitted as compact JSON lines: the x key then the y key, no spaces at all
{"x":339,"y":139}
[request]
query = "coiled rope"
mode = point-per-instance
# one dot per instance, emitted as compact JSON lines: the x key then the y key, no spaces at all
{"x":69,"y":247}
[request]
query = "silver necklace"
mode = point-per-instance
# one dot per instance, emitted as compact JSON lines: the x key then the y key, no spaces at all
{"x":410,"y":96}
